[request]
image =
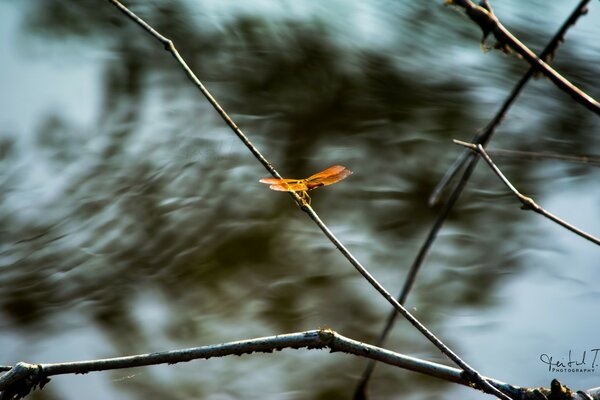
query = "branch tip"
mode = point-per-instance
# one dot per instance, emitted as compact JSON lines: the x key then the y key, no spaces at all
{"x":465,"y":144}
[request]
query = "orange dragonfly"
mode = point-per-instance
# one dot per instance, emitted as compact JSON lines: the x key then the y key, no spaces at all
{"x":326,"y":177}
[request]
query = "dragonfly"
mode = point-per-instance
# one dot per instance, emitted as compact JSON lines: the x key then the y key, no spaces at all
{"x":326,"y":177}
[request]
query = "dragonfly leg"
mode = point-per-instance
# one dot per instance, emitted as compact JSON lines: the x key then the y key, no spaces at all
{"x":304,"y":198}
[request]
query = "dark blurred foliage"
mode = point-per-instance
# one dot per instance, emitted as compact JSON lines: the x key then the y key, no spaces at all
{"x":161,"y":198}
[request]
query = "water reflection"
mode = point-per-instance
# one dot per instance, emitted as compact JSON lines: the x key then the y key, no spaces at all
{"x":148,"y":224}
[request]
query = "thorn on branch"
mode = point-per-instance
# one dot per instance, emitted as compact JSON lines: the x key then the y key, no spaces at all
{"x":561,"y":39}
{"x":498,"y":45}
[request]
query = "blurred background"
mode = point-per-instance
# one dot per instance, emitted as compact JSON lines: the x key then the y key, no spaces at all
{"x":132,"y":220}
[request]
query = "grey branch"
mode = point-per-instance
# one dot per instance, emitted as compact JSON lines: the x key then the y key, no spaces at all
{"x":487,"y":21}
{"x":471,"y":373}
{"x":316,"y":339}
{"x":527,"y":202}
{"x":485,"y":135}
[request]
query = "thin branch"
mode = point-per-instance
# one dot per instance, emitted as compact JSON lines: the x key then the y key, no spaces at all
{"x":316,"y":339}
{"x":486,"y":134}
{"x":360,"y":392}
{"x":469,"y":372}
{"x":527,"y":202}
{"x":451,"y":172}
{"x":466,"y":157}
{"x":31,"y":375}
{"x":170,"y":47}
{"x":475,"y":376}
{"x":487,"y":21}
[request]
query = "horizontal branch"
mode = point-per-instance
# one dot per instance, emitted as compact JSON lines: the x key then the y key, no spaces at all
{"x":488,"y":22}
{"x":315,"y":339}
{"x":527,"y":202}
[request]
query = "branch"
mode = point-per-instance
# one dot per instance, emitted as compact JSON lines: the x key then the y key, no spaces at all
{"x":466,"y":157}
{"x":486,"y":134}
{"x":360,"y":392}
{"x":481,"y":137}
{"x":487,"y":21}
{"x":316,"y":339}
{"x":475,"y":378}
{"x":527,"y":202}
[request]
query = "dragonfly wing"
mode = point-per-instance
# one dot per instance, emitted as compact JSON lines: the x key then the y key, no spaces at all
{"x":327,"y":177}
{"x":285,"y":185}
{"x":271,"y":181}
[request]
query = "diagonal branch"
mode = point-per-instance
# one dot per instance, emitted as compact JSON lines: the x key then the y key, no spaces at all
{"x":482,"y":137}
{"x":487,"y":21}
{"x":527,"y":202}
{"x":469,"y":372}
{"x":486,"y":134}
{"x":360,"y":392}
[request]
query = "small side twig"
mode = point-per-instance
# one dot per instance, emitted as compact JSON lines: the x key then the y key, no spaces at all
{"x":487,"y":21}
{"x":527,"y":202}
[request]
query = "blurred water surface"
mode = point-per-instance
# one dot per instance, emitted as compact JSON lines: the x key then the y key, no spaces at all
{"x":132,"y":219}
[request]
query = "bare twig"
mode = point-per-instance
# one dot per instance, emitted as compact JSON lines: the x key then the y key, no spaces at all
{"x":487,"y":21}
{"x":469,"y":372}
{"x":527,"y":202}
{"x":486,"y":134}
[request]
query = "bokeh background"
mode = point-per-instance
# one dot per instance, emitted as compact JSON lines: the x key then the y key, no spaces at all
{"x":132,"y":220}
